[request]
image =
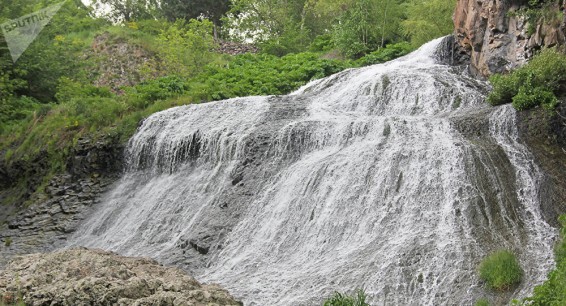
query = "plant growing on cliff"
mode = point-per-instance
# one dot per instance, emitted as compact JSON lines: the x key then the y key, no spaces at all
{"x":341,"y":299}
{"x":500,"y":270}
{"x":537,"y":83}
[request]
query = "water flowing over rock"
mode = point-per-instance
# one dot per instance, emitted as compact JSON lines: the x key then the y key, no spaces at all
{"x":397,"y":178}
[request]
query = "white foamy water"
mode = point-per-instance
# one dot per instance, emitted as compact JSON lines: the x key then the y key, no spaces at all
{"x":364,"y":179}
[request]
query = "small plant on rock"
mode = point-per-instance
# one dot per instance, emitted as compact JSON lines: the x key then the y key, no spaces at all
{"x":341,"y":299}
{"x":501,"y":270}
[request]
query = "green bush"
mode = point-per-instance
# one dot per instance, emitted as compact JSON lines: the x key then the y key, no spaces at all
{"x":500,"y":270}
{"x":341,"y":299}
{"x":262,"y":74}
{"x":390,"y":52}
{"x":482,"y":302}
{"x":145,"y":93}
{"x":529,"y":97}
{"x":537,"y":83}
{"x":505,"y":87}
{"x":321,"y":43}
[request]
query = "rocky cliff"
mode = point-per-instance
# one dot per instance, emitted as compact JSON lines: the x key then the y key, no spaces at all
{"x":499,"y":35}
{"x":51,"y":214}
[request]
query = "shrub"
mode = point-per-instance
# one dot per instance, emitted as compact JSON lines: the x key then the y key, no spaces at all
{"x":536,"y":83}
{"x":262,"y":74}
{"x":529,"y":97}
{"x":482,"y":302}
{"x":390,"y":52}
{"x":340,"y":299}
{"x":8,"y":241}
{"x":501,"y":270}
{"x":505,"y":87}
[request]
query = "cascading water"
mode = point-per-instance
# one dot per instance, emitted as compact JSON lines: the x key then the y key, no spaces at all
{"x":395,"y":178}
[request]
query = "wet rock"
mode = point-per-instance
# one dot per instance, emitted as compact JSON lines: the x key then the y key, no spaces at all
{"x":95,"y":277}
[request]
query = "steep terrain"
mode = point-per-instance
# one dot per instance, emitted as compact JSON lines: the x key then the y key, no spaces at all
{"x":498,"y":35}
{"x":397,"y":178}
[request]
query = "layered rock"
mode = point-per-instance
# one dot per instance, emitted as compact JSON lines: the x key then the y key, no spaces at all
{"x":497,"y":37}
{"x":95,"y":277}
{"x":54,"y":212}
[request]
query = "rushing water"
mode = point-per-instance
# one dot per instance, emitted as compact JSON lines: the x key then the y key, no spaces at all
{"x":395,"y":178}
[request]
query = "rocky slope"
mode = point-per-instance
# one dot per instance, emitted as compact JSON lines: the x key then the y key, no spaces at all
{"x":96,"y":277}
{"x":498,"y":37}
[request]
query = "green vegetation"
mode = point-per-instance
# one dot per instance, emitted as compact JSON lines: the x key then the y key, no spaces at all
{"x":500,"y":270}
{"x":539,"y":82}
{"x":482,"y":302}
{"x":72,"y":82}
{"x":8,"y":241}
{"x":553,"y":291}
{"x":341,"y":299}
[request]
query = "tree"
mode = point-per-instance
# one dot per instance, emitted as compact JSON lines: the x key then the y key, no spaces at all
{"x":185,"y":47}
{"x":192,"y":9}
{"x":428,"y":19}
{"x":129,"y":10}
{"x":367,"y":25}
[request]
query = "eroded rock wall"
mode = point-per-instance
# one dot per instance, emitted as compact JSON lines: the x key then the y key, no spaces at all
{"x":497,"y":36}
{"x":50,"y":215}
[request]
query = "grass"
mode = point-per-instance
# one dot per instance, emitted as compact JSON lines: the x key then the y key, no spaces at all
{"x":482,"y":302}
{"x":501,"y":270}
{"x":342,"y":299}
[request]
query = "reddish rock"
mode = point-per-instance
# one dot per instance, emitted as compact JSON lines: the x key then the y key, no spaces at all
{"x":496,"y":36}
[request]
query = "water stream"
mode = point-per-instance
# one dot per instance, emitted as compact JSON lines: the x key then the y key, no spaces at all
{"x":396,"y":178}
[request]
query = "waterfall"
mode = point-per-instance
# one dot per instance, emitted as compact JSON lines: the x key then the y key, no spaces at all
{"x":396,"y":178}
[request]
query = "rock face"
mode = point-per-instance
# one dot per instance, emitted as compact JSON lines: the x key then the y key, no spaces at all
{"x":95,"y":277}
{"x":497,"y":36}
{"x":65,"y":201}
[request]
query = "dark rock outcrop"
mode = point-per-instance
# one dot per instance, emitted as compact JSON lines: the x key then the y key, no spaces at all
{"x":496,"y":35}
{"x":95,"y":277}
{"x":545,"y":134}
{"x":54,"y":212}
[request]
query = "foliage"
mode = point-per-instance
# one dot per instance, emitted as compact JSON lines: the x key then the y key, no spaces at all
{"x":186,"y":47}
{"x":262,"y":74}
{"x":265,"y":20}
{"x":145,"y":93}
{"x":192,"y":9}
{"x":128,"y":10}
{"x":482,"y":302}
{"x":428,"y":19}
{"x":500,"y":270}
{"x":367,"y":25}
{"x":390,"y":52}
{"x":536,"y":83}
{"x":341,"y":299}
{"x":553,"y":291}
